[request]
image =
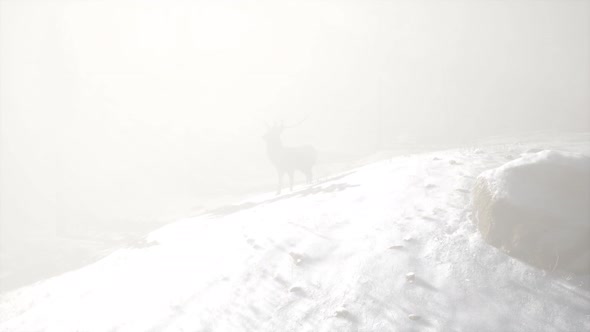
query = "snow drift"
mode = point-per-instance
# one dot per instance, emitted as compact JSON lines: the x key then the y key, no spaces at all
{"x":537,"y":209}
{"x":389,"y":246}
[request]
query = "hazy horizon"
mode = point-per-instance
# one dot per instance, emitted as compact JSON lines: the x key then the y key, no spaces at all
{"x":115,"y":110}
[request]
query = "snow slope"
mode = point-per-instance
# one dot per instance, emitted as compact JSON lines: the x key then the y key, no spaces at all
{"x":387,"y":247}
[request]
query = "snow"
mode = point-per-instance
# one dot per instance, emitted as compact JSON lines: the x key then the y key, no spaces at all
{"x":390,"y":246}
{"x":537,"y":208}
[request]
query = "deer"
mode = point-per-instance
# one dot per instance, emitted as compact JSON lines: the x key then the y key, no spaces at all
{"x":288,"y":159}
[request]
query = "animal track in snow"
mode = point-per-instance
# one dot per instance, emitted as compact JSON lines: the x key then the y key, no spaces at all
{"x":297,"y":257}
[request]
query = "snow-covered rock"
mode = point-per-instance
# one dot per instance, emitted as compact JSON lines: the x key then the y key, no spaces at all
{"x":537,"y":209}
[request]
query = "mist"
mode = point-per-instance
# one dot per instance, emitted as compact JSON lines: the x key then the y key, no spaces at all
{"x":117,"y":113}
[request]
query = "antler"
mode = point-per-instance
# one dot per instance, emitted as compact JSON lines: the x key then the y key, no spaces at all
{"x":295,"y":125}
{"x":266,"y":123}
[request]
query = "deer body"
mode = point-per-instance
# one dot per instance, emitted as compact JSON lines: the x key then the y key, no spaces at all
{"x":289,"y":159}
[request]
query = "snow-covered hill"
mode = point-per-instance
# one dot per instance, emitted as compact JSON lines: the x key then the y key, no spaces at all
{"x":387,"y":247}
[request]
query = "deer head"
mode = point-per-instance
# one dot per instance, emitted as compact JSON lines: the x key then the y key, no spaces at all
{"x":273,"y":134}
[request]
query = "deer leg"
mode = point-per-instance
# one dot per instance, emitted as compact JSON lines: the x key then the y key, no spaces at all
{"x":280,"y":184}
{"x":291,"y":180}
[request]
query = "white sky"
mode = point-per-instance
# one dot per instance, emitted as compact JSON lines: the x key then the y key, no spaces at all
{"x":108,"y":105}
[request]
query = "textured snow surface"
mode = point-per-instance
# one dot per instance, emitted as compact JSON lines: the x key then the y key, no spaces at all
{"x":537,"y":208}
{"x":388,"y":247}
{"x":559,"y":180}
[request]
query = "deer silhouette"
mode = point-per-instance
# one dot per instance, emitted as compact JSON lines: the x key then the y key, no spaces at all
{"x":288,"y":159}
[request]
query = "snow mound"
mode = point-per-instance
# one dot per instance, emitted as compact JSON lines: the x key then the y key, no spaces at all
{"x":537,"y":208}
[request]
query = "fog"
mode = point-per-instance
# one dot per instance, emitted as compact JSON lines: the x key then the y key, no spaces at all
{"x":120,"y":112}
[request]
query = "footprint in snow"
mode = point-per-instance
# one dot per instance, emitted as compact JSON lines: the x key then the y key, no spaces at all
{"x":252,"y":243}
{"x":297,"y":290}
{"x":413,"y":317}
{"x":343,"y":313}
{"x":409,"y":239}
{"x":396,"y":246}
{"x":279,"y":279}
{"x":296,"y":257}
